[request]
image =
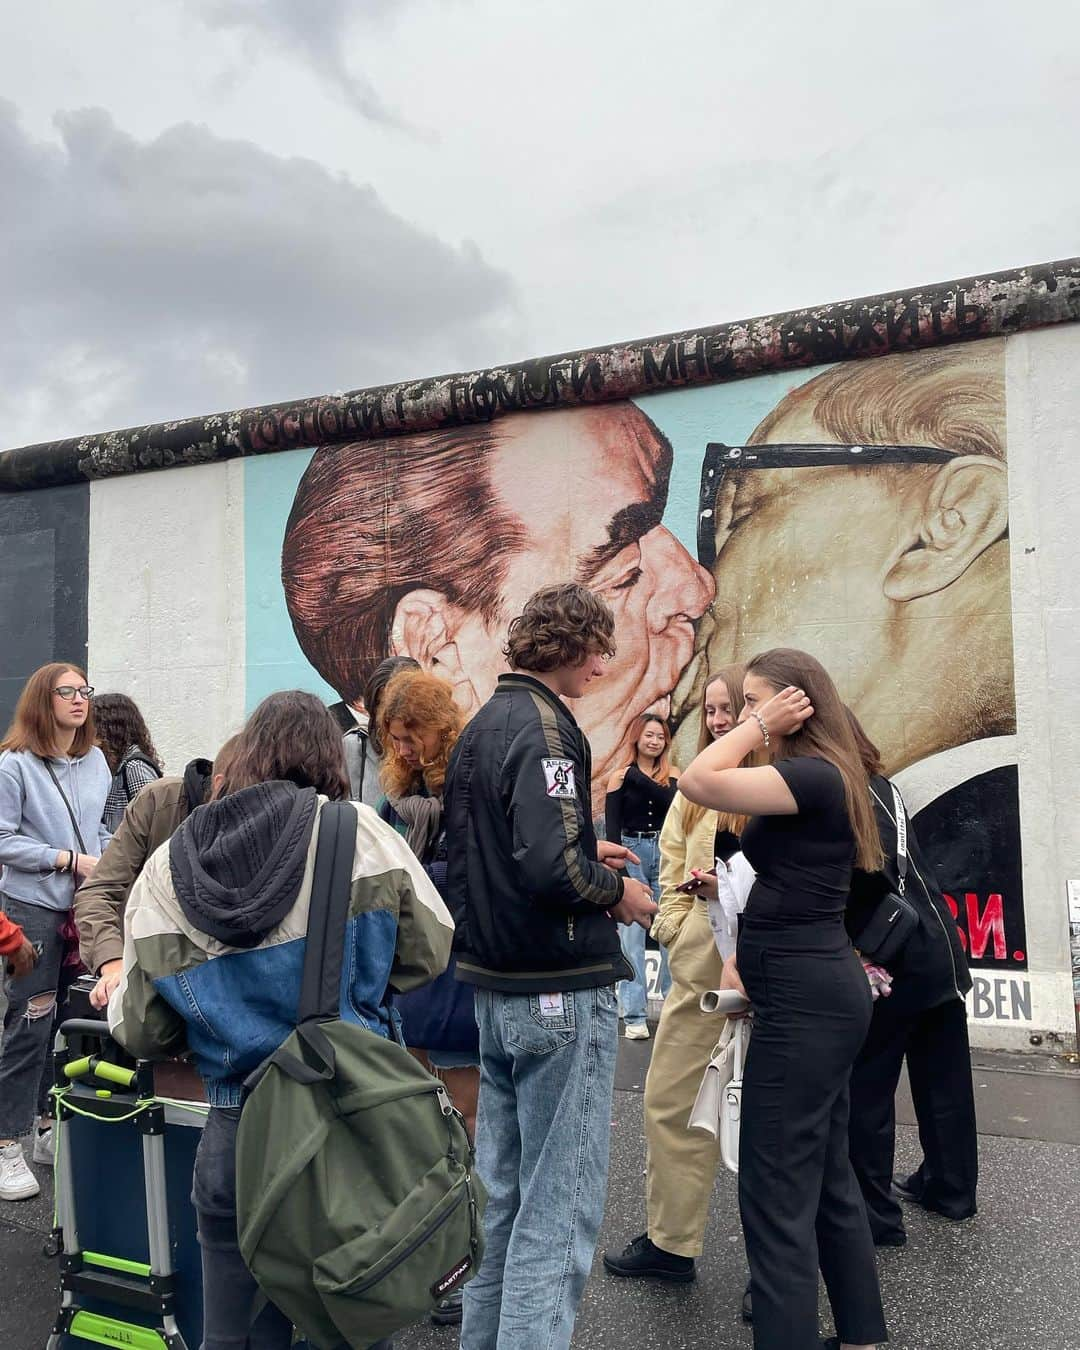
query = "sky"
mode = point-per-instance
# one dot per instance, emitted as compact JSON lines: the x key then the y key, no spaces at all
{"x":211,"y":204}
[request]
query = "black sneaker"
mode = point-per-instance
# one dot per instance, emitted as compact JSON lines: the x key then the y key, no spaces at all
{"x":643,"y":1258}
{"x":447,"y":1312}
{"x":748,"y":1307}
{"x":893,"y":1237}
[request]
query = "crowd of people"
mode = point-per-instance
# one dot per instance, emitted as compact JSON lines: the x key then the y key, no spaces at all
{"x":504,"y":952}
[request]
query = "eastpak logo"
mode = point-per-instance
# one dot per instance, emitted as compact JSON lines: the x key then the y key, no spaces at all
{"x":442,"y":1286}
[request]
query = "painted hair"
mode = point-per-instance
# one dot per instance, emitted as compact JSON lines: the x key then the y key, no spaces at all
{"x":423,"y":703}
{"x":120,"y":725}
{"x":828,"y":735}
{"x":291,"y":737}
{"x":33,"y":727}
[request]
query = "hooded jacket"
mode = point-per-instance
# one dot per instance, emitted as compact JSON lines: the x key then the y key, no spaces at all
{"x":523,"y":881}
{"x":149,"y":820}
{"x":215,"y":933}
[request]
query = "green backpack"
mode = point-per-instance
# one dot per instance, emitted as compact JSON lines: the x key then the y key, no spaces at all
{"x":357,"y":1205}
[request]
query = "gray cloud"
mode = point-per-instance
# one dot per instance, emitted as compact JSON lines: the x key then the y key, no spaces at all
{"x":315,"y":31}
{"x":147,"y":280}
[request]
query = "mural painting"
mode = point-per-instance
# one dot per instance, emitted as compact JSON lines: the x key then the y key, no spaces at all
{"x":860,"y":512}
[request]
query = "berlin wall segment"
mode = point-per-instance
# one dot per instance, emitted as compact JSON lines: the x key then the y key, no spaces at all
{"x":976,"y":307}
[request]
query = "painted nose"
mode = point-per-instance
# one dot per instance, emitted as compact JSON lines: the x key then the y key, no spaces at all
{"x":682,"y":588}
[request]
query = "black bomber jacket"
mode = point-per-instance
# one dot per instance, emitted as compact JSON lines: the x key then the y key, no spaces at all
{"x":527,"y":893}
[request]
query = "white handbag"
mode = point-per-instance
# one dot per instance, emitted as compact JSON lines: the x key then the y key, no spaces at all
{"x":707,"y":1108}
{"x":731,"y":1100}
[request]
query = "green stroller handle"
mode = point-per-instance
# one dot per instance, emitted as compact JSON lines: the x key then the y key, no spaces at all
{"x":91,"y":1066}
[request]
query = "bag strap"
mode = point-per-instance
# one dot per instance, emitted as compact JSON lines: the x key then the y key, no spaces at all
{"x":328,"y":912}
{"x":320,"y":988}
{"x":901,"y":834}
{"x":71,"y":813}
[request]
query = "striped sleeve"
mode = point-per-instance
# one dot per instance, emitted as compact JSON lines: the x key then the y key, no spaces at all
{"x":544,"y":784}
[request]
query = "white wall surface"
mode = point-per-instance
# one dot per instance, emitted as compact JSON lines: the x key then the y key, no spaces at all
{"x":166,"y":603}
{"x":1043,"y":407}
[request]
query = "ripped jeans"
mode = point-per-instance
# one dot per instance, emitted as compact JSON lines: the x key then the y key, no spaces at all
{"x":26,"y":1062}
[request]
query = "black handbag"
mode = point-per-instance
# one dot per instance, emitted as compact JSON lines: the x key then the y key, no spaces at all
{"x":886,"y":933}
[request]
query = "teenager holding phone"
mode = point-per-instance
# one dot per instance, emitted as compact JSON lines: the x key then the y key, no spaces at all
{"x":681,"y":1163}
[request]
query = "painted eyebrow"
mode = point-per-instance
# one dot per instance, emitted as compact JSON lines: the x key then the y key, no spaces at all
{"x":626,"y":527}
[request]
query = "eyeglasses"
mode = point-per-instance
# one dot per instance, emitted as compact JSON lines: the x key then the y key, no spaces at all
{"x":68,"y":691}
{"x":721,"y":459}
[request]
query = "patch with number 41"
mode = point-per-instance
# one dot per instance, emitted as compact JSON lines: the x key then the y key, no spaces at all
{"x":559,"y":777}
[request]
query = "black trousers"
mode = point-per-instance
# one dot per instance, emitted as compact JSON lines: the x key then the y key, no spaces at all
{"x":800,"y":1202}
{"x":935,"y":1042}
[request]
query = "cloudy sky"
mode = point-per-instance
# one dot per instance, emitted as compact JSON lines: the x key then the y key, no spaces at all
{"x":207,"y":204}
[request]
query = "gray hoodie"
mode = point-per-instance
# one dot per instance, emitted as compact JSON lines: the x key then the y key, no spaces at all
{"x":35,"y":825}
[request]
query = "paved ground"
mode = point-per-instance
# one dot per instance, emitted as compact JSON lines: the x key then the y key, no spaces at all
{"x":1006,"y":1280}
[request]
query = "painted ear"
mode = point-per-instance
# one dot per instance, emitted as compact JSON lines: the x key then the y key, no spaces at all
{"x":965,"y":509}
{"x":423,"y":628}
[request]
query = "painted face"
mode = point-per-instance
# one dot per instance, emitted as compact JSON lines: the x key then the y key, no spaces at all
{"x":719,"y":718}
{"x":70,"y":714}
{"x":590,"y":486}
{"x":415,"y":745}
{"x":651,"y":742}
{"x":801,"y":555}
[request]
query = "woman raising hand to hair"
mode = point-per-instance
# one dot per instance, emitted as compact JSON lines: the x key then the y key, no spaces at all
{"x":811,"y":822}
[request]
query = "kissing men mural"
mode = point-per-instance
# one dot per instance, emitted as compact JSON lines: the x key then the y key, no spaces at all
{"x":862,"y":515}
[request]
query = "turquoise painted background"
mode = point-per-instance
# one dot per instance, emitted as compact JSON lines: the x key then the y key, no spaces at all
{"x":689,"y":418}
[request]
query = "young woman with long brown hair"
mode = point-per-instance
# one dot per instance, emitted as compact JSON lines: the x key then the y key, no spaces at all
{"x":132,"y":758}
{"x":638,"y":797}
{"x":681,"y":1164}
{"x":811,"y":822}
{"x":53,"y":785}
{"x":215,"y":934}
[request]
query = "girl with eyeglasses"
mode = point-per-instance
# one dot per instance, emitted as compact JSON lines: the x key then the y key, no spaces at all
{"x":53,"y":784}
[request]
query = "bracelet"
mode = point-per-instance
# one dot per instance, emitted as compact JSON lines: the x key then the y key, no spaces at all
{"x":764,"y":729}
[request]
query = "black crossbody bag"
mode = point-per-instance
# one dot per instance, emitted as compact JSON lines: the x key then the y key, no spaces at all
{"x":888,"y":930}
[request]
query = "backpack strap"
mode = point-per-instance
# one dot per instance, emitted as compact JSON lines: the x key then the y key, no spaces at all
{"x":320,"y":989}
{"x":328,"y":912}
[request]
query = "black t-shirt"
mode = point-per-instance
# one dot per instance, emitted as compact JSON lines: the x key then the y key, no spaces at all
{"x":803,"y":862}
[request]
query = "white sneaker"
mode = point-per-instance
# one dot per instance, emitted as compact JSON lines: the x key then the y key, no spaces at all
{"x":17,"y":1182}
{"x":43,"y":1147}
{"x":637,"y":1031}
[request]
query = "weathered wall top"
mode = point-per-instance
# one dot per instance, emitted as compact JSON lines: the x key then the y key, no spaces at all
{"x":955,"y":311}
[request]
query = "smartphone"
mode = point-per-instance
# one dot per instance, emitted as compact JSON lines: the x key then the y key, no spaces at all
{"x":694,"y":883}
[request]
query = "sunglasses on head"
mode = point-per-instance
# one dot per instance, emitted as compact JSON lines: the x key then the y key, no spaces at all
{"x":721,"y":459}
{"x":68,"y":691}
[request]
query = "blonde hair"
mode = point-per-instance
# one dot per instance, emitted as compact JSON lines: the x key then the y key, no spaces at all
{"x":731,"y":677}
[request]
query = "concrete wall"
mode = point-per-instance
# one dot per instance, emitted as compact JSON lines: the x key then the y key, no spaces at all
{"x":188,"y":614}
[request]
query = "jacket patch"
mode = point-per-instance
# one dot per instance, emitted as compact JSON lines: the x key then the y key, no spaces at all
{"x":559,"y":777}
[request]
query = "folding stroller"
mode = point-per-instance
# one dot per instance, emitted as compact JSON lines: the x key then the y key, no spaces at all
{"x":130,"y":1270}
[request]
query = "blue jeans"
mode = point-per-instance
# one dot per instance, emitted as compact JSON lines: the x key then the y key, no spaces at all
{"x":634,"y":994}
{"x":547,"y":1074}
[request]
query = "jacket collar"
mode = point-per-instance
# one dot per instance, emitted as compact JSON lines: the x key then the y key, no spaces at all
{"x":520,"y":680}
